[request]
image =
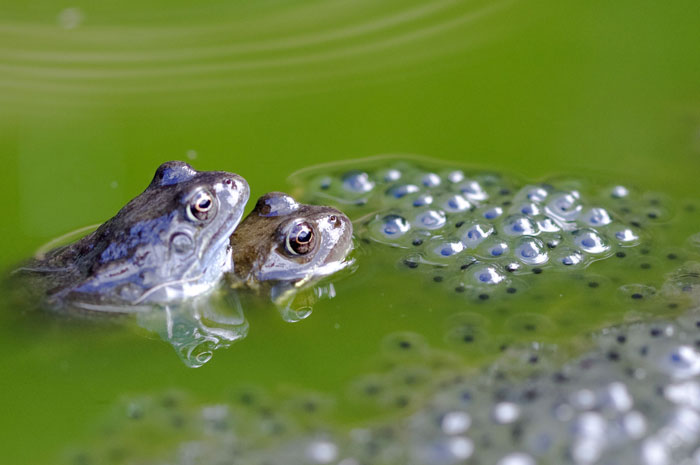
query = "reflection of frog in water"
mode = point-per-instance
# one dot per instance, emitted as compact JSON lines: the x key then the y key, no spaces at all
{"x":282,"y":247}
{"x":167,"y":244}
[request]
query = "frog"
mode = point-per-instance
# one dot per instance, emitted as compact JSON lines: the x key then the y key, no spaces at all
{"x":280,"y":251}
{"x":284,"y":245}
{"x":168,"y":244}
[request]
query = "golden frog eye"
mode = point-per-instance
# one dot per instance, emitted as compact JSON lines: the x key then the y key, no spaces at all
{"x":200,"y":206}
{"x":300,"y":239}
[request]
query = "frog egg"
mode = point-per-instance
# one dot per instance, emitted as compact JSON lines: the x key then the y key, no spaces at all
{"x":357,"y":182}
{"x":430,"y":180}
{"x":547,"y":225}
{"x":455,"y":176}
{"x":590,"y":241}
{"x":569,"y":257}
{"x":391,"y":226}
{"x":493,"y":248}
{"x":325,"y":183}
{"x":625,"y":236}
{"x":429,"y":219}
{"x":534,"y":193}
{"x":472,"y":190}
{"x":519,"y":225}
{"x":596,"y":217}
{"x":492,"y":213}
{"x":390,"y":175}
{"x":446,"y":248}
{"x":456,"y":203}
{"x":619,"y":192}
{"x":528,"y":209}
{"x":487,"y":274}
{"x":530,"y":251}
{"x":422,"y":200}
{"x":476,"y":234}
{"x":402,"y":190}
{"x":565,"y":206}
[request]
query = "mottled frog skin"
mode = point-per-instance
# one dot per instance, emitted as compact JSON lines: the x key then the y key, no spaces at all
{"x":167,"y":244}
{"x":283,"y":241}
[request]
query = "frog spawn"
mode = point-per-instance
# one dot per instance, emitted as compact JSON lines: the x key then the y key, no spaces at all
{"x":632,"y":398}
{"x":445,"y":217}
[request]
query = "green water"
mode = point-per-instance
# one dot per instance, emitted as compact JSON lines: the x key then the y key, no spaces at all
{"x":89,"y":108}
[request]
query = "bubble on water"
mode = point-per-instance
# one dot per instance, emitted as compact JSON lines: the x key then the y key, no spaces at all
{"x":402,"y":190}
{"x":71,"y":18}
{"x":519,"y":225}
{"x":476,"y":234}
{"x":430,"y":219}
{"x":191,"y":154}
{"x":487,"y":274}
{"x":456,"y":203}
{"x":492,"y":213}
{"x":590,"y":241}
{"x":619,"y":192}
{"x":430,"y":180}
{"x":472,"y":190}
{"x":455,"y":176}
{"x":423,"y":200}
{"x":565,"y":206}
{"x":357,"y":182}
{"x":596,"y":217}
{"x":531,"y":251}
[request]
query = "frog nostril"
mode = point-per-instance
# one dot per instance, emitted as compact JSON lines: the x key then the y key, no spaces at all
{"x":229,"y":182}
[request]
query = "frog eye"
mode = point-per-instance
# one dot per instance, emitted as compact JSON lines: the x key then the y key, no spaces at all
{"x":200,"y":206}
{"x":300,"y":239}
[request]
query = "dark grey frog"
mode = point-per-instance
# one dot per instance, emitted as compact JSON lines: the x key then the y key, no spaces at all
{"x":169,"y":243}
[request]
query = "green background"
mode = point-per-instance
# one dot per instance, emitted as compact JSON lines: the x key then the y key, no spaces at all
{"x":90,"y":106}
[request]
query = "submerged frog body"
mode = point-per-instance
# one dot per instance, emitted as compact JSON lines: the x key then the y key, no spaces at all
{"x":286,"y":244}
{"x":167,"y":244}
